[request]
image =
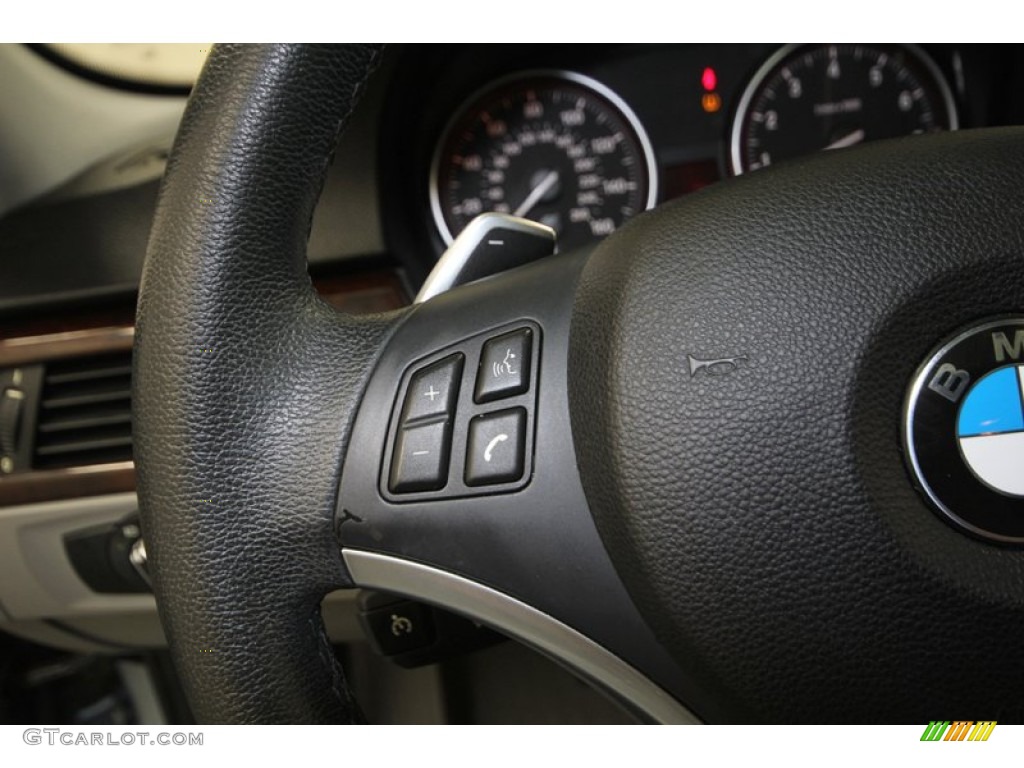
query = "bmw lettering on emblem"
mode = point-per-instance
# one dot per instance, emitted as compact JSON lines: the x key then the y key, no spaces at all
{"x":964,"y":429}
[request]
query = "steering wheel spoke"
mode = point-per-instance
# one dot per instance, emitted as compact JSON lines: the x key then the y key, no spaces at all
{"x":464,"y":490}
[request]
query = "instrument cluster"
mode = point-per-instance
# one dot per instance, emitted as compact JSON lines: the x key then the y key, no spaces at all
{"x":582,"y":138}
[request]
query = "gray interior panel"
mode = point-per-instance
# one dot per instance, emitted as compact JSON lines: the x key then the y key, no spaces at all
{"x":44,"y":600}
{"x":66,"y":123}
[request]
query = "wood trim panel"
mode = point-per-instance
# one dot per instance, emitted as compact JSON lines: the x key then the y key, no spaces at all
{"x":54,"y":346}
{"x":363,"y":294}
{"x":78,"y":333}
{"x":72,"y":483}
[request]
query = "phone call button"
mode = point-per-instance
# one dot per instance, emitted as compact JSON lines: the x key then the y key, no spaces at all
{"x":494,"y":453}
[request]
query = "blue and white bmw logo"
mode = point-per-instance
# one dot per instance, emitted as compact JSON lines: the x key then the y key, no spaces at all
{"x":990,"y":430}
{"x":964,"y":429}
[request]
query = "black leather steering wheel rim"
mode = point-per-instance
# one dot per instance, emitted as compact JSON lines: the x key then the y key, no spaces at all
{"x":237,"y":487}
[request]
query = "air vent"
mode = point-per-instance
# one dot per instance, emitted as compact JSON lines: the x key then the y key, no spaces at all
{"x":85,"y":412}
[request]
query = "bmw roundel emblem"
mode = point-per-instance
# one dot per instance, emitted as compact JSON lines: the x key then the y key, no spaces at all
{"x":964,"y":429}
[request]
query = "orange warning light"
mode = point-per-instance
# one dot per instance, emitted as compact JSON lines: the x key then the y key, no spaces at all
{"x":711,"y":102}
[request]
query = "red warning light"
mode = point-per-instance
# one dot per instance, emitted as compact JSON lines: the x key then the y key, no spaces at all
{"x":709,"y":79}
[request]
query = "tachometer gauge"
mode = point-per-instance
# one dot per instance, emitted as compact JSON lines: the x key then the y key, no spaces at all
{"x":812,"y":97}
{"x":556,"y":147}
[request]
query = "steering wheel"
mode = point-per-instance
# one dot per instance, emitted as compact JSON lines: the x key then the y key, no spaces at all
{"x":701,"y":500}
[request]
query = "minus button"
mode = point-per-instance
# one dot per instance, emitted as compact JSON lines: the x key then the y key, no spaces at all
{"x":420,"y":459}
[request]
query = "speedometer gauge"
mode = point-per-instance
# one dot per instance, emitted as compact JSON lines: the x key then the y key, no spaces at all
{"x":813,"y":97}
{"x":556,"y":147}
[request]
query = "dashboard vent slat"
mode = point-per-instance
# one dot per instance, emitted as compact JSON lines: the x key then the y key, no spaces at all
{"x":90,"y":373}
{"x":85,"y":398}
{"x":82,"y":446}
{"x":90,"y":417}
{"x":85,"y":412}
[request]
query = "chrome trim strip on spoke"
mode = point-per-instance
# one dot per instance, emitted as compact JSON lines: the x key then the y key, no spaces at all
{"x":517,"y":619}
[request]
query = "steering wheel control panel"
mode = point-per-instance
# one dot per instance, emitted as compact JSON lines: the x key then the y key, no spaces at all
{"x":462,"y":424}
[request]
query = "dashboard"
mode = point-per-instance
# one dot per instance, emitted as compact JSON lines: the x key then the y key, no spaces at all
{"x":580,"y":138}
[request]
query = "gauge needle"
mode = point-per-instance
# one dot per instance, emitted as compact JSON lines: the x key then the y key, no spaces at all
{"x":856,"y":137}
{"x":537,"y":193}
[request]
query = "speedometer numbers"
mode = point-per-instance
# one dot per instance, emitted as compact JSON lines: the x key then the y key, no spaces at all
{"x":558,"y":148}
{"x":824,"y":97}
